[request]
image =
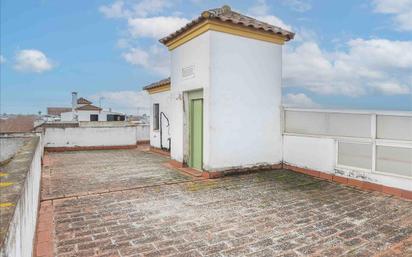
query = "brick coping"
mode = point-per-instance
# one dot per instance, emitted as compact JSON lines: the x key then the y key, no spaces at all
{"x":187,"y":170}
{"x":89,"y":148}
{"x":159,"y":151}
{"x":44,"y":241}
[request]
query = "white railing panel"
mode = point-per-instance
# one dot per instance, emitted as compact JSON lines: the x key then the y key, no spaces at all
{"x":328,"y":124}
{"x":394,"y":160}
{"x":358,"y":155}
{"x":394,"y":127}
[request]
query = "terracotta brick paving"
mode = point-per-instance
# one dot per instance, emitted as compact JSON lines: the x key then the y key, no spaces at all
{"x":45,"y":231}
{"x":271,"y":213}
{"x":88,"y":172}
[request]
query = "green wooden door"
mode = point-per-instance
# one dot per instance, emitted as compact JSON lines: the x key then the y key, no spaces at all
{"x":196,"y":133}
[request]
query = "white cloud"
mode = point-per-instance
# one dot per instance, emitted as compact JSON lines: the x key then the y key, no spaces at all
{"x":299,"y":100}
{"x":392,"y":88}
{"x":116,"y":10}
{"x":147,"y":7}
{"x":140,"y":25}
{"x":154,"y":59}
{"x":130,"y":102}
{"x":32,"y":60}
{"x":401,"y":9}
{"x":297,"y":5}
{"x":2,"y":59}
{"x":155,"y":27}
{"x":131,"y":9}
{"x":367,"y":65}
{"x":273,"y":20}
{"x":261,"y":8}
{"x":261,"y":11}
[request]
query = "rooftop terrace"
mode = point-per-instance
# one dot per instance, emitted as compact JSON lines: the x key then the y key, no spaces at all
{"x":128,"y":203}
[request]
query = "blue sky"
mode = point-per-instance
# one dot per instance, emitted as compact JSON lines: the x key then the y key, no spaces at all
{"x":347,"y":54}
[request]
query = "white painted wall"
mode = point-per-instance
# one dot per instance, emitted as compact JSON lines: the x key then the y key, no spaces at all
{"x":310,"y":152}
{"x":241,"y":83}
{"x":307,"y":149}
{"x":142,"y":132}
{"x":95,"y":136}
{"x":163,"y":99}
{"x":194,"y":53}
{"x":245,"y":102}
{"x":20,"y":236}
{"x":85,"y":115}
{"x":66,"y":116}
{"x":82,"y":116}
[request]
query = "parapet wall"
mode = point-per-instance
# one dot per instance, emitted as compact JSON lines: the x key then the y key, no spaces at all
{"x":19,"y":196}
{"x":94,"y":136}
{"x":371,"y":147}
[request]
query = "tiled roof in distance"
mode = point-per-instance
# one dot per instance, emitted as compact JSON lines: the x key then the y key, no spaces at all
{"x":57,"y":110}
{"x":82,"y":100}
{"x":88,"y":107}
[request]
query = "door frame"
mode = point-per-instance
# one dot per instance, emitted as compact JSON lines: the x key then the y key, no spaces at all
{"x":194,"y":95}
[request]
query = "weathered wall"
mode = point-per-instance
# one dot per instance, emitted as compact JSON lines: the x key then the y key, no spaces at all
{"x":245,"y":101}
{"x":232,"y":94}
{"x":18,"y":241}
{"x":163,"y":99}
{"x":9,"y":146}
{"x":142,"y":133}
{"x":84,"y":136}
{"x":313,"y":142}
{"x":309,"y":152}
{"x":196,"y":54}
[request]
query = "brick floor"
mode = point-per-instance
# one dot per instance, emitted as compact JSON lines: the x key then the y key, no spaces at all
{"x":271,"y":213}
{"x":70,"y":174}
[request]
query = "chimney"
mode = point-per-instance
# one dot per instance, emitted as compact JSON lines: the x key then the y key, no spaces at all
{"x":74,"y":104}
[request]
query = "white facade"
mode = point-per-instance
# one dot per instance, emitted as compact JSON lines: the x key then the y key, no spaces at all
{"x":245,"y":101}
{"x":195,"y":53}
{"x":163,"y":99}
{"x":83,"y":115}
{"x":240,"y":78}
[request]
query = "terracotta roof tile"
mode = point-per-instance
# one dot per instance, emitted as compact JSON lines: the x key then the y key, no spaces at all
{"x":57,"y":110}
{"x":82,"y":100}
{"x":88,"y":107}
{"x":20,"y":123}
{"x":159,"y":83}
{"x":225,"y":14}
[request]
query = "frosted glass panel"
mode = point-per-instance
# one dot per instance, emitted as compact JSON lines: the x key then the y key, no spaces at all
{"x":355,"y":155}
{"x":394,"y":127}
{"x":330,"y":124}
{"x":395,"y":160}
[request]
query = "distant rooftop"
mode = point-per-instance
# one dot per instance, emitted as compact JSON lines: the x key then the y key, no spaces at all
{"x":19,"y":123}
{"x":89,"y":107}
{"x":82,"y":100}
{"x":57,"y":110}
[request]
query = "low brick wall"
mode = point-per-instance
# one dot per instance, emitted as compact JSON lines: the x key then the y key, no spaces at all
{"x":20,"y":189}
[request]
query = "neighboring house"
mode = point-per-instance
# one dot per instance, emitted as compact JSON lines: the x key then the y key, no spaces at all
{"x":84,"y":110}
{"x":224,"y":66}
